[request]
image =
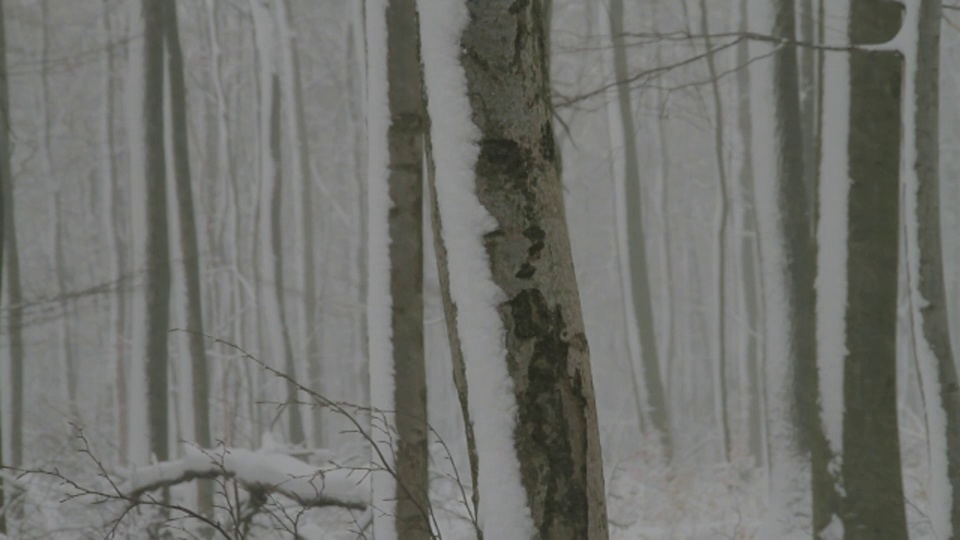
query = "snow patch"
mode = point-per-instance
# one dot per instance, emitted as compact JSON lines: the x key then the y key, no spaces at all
{"x":503,"y":512}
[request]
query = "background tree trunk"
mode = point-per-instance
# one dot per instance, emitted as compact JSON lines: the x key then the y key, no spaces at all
{"x":199,"y":372}
{"x":800,"y":267}
{"x":873,"y":505}
{"x":639,"y":299}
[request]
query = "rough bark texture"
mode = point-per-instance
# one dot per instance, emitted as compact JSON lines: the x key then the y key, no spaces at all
{"x":157,"y":263}
{"x":188,"y":242}
{"x":556,"y":435}
{"x":873,"y":506}
{"x":641,"y":302}
{"x":936,"y":330}
{"x":405,"y":146}
{"x":794,"y":206}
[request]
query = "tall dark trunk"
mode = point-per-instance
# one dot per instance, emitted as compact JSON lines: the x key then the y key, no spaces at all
{"x":157,"y":249}
{"x":873,"y":505}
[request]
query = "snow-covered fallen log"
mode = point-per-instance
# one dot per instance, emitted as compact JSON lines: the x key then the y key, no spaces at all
{"x":258,"y":471}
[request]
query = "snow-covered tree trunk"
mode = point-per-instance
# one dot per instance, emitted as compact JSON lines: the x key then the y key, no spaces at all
{"x":873,"y":505}
{"x":634,"y":273}
{"x":199,"y":374}
{"x":938,"y":372}
{"x":511,"y":272}
{"x":799,"y":265}
{"x":151,"y":303}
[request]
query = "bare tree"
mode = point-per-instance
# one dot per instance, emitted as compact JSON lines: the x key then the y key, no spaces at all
{"x":873,"y":505}
{"x":637,"y":282}
{"x":800,"y":268}
{"x":5,"y":195}
{"x":188,"y":241}
{"x":149,"y":215}
{"x":517,"y":183}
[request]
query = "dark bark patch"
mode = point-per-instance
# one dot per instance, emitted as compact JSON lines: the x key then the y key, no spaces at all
{"x":526,"y":271}
{"x":531,"y":315}
{"x":502,"y":157}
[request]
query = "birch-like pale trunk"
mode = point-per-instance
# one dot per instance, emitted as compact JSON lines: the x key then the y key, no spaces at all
{"x":64,"y":328}
{"x":270,"y":257}
{"x":199,"y":372}
{"x":752,"y":275}
{"x":720,"y":249}
{"x":304,"y":192}
{"x":873,"y":503}
{"x":634,"y":268}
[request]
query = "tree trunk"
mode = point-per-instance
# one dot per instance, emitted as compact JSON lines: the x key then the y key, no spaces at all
{"x":12,"y":270}
{"x":926,"y":260}
{"x":269,"y":214}
{"x":800,"y":269}
{"x":299,"y":143}
{"x":5,"y":196}
{"x":516,"y":181}
{"x":873,"y":505}
{"x":749,"y":256}
{"x":639,"y":300}
{"x":188,"y":242}
{"x":720,"y":264}
{"x":398,"y":376}
{"x":148,"y":170}
{"x":64,"y":329}
{"x":114,"y":243}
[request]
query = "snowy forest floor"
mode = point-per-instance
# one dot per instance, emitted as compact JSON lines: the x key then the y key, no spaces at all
{"x":646,"y":500}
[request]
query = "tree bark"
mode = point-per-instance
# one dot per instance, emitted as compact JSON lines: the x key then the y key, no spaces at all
{"x":873,"y":506}
{"x":518,"y":183}
{"x":199,"y":372}
{"x":800,"y":268}
{"x":156,"y":245}
{"x":405,"y":146}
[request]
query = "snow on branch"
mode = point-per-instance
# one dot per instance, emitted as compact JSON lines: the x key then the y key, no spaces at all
{"x":258,"y":472}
